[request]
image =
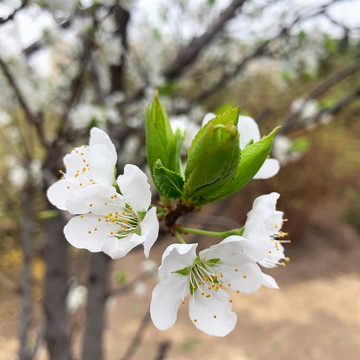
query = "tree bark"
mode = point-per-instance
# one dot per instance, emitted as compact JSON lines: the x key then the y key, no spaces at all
{"x":95,"y":309}
{"x":57,"y":332}
{"x":26,"y":233}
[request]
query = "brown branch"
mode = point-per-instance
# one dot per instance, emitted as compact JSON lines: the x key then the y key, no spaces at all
{"x":190,"y":52}
{"x":332,"y":80}
{"x":12,"y":15}
{"x":162,"y":350}
{"x":122,"y":17}
{"x":34,"y":119}
{"x":138,"y":337}
{"x":77,"y":83}
{"x":295,"y":124}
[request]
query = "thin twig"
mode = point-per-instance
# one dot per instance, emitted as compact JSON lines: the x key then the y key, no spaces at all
{"x":138,"y":337}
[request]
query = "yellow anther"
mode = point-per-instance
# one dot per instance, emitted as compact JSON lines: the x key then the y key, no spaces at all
{"x":183,"y":302}
{"x":90,"y":205}
{"x":115,"y":195}
{"x":62,"y":178}
{"x":199,"y":282}
{"x":123,"y":212}
{"x":116,"y":212}
{"x":99,"y":219}
{"x":111,"y":196}
{"x":212,"y":285}
{"x":276,"y":266}
{"x":68,"y":187}
{"x":229,"y":284}
{"x":283,"y":264}
{"x":214,"y":316}
{"x":82,"y":154}
{"x":60,"y":171}
{"x":202,"y":293}
{"x":269,"y":251}
{"x":84,"y":169}
{"x":215,"y":276}
{"x":230,"y":300}
{"x":84,"y":160}
{"x":123,"y":230}
{"x":111,"y":232}
{"x":89,"y":231}
{"x":95,"y":229}
{"x":209,"y":287}
{"x":237,"y":291}
{"x":195,"y":320}
{"x":244,"y":276}
{"x":194,"y":287}
{"x":130,"y":208}
{"x":81,"y":216}
{"x":106,"y":203}
{"x":276,"y":226}
{"x":80,"y":184}
{"x":236,"y":269}
{"x":287,"y":259}
{"x":208,"y":295}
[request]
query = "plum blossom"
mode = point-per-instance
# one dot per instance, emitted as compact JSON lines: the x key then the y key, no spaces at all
{"x":249,"y":131}
{"x":206,"y":278}
{"x":187,"y":128}
{"x":263,"y":230}
{"x":115,"y":223}
{"x":86,"y":166}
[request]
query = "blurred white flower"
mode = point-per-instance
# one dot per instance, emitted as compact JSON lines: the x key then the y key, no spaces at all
{"x":282,"y":150}
{"x":306,"y":108}
{"x":187,"y":128}
{"x":149,"y":266}
{"x":4,"y":118}
{"x":139,"y":288}
{"x":76,"y":297}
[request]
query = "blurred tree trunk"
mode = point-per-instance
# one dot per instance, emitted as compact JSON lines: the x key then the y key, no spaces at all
{"x":57,"y":332}
{"x":26,"y":233}
{"x":95,"y":310}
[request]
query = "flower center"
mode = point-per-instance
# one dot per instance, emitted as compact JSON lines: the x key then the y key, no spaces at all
{"x":123,"y":222}
{"x":203,"y":277}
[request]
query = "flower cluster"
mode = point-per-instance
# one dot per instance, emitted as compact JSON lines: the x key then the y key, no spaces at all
{"x":231,"y":265}
{"x":114,"y":215}
{"x":110,"y":220}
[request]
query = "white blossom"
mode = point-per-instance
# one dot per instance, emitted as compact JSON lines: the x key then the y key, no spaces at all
{"x":85,"y":167}
{"x":206,"y":278}
{"x":115,"y":223}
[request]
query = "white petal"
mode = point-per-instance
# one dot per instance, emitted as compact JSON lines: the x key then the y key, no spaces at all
{"x":75,"y":160}
{"x":102,"y":164}
{"x":248,"y":130}
{"x":100,"y":199}
{"x":98,"y":136}
{"x":273,"y":223}
{"x":246,"y":279}
{"x":58,"y":193}
{"x":203,"y":309}
{"x":268,"y":169}
{"x":77,"y":232}
{"x":269,"y":281}
{"x":166,"y":299}
{"x":118,"y":248}
{"x":150,"y":230}
{"x":135,"y":188}
{"x":177,"y":257}
{"x":74,"y":206}
{"x":274,"y":255}
{"x":263,"y":207}
{"x":256,"y":249}
{"x":207,"y":118}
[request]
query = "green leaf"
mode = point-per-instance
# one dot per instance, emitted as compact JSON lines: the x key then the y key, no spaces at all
{"x":168,"y":182}
{"x":213,"y":161}
{"x":252,"y":158}
{"x":197,"y":147}
{"x":185,"y":271}
{"x":160,"y":140}
{"x":213,"y":261}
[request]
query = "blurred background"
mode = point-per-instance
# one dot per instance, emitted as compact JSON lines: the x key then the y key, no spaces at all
{"x":66,"y":66}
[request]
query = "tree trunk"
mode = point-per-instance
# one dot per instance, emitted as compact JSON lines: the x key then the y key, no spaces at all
{"x":95,"y":309}
{"x":57,"y":327}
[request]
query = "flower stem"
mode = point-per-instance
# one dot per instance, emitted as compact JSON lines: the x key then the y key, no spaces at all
{"x":179,"y":237}
{"x":222,"y":235}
